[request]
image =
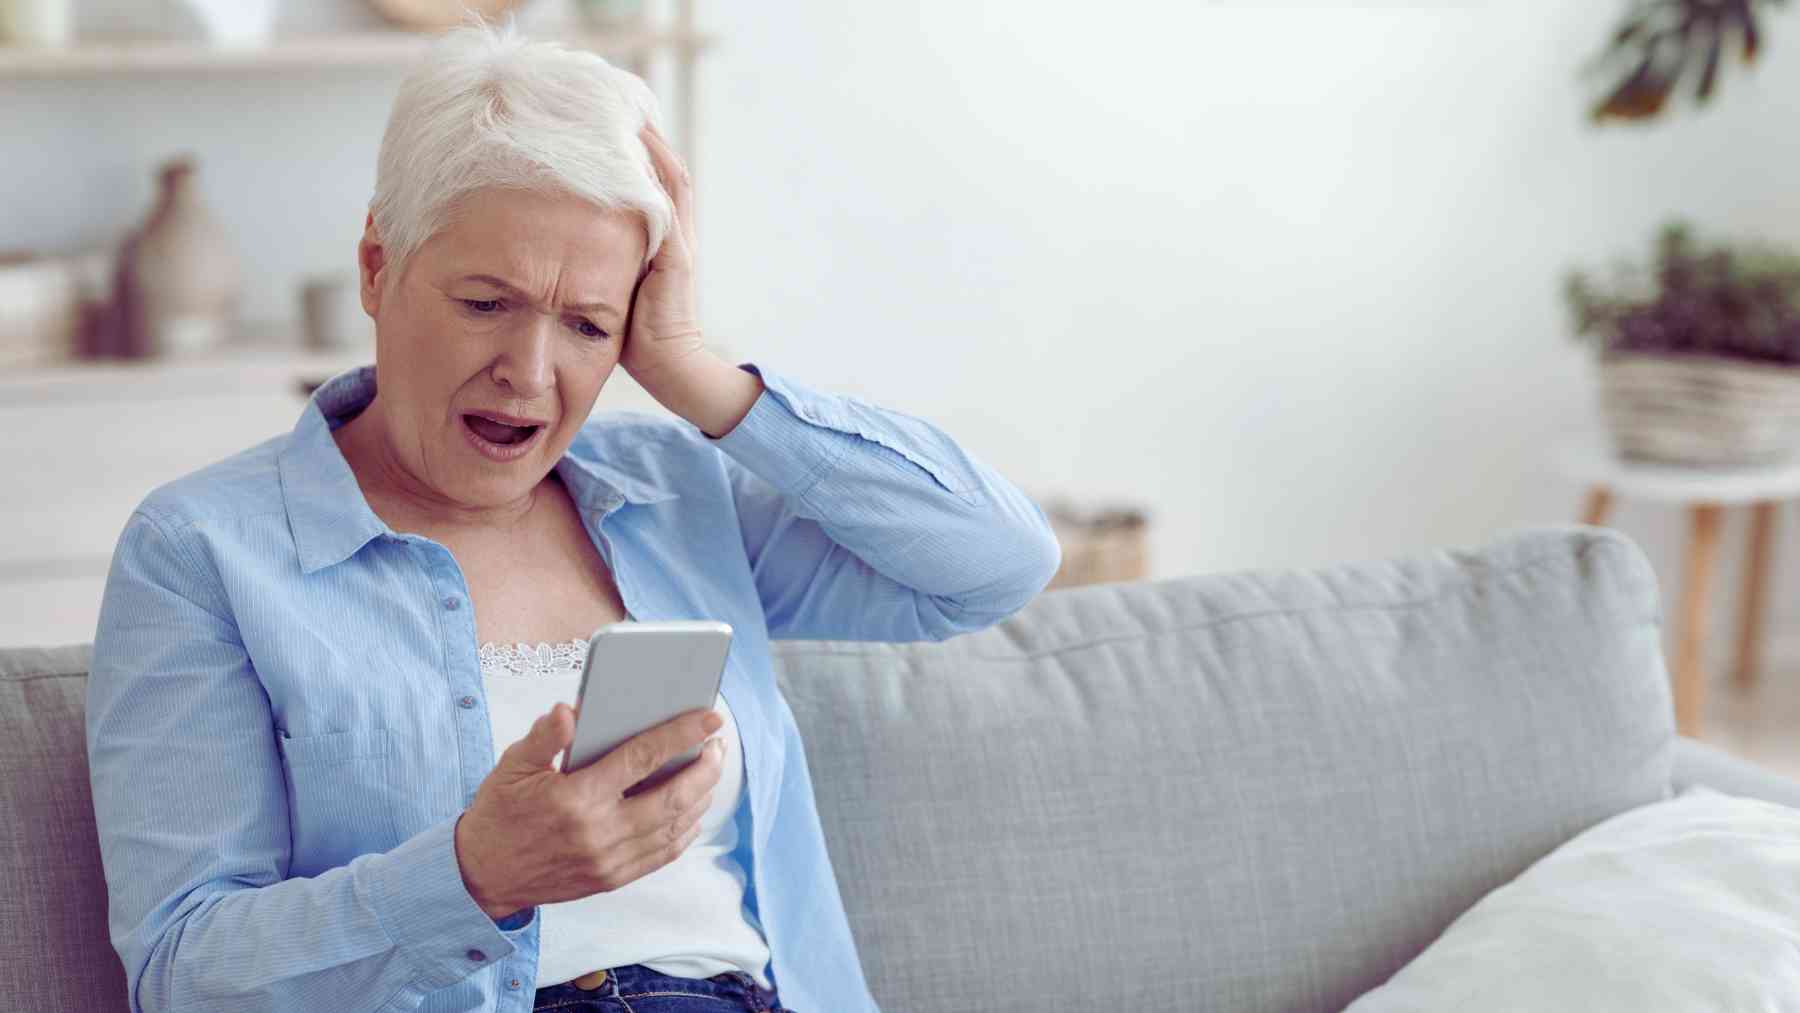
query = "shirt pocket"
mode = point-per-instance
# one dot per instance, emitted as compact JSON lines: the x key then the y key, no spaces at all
{"x":341,"y":796}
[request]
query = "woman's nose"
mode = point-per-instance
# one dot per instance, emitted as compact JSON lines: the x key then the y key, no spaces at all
{"x":524,"y":364}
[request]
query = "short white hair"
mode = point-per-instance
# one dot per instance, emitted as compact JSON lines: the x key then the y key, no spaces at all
{"x":488,"y":108}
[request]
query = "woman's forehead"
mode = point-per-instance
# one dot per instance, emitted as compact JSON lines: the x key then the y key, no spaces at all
{"x":521,"y":235}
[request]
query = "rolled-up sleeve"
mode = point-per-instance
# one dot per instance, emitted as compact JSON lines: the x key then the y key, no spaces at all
{"x":863,"y":523}
{"x":191,"y":805}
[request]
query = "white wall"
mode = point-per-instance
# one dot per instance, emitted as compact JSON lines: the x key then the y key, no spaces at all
{"x":1289,"y":276}
{"x":1286,"y":276}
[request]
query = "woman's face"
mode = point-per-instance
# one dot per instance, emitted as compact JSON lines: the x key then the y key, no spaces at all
{"x":516,"y":307}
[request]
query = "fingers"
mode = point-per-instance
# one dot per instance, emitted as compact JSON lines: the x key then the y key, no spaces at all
{"x":550,"y":734}
{"x":677,"y":182}
{"x":671,"y":815}
{"x":670,"y":166}
{"x":658,"y":850}
{"x":643,"y":754}
{"x":679,"y":186}
{"x":665,"y":803}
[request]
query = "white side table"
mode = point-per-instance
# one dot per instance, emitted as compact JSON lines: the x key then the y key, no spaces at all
{"x":1705,"y":492}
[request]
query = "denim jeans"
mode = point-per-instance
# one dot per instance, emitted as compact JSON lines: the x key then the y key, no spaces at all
{"x":635,"y":988}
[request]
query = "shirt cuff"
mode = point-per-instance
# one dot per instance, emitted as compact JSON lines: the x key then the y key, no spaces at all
{"x":417,"y":891}
{"x":517,"y":922}
{"x":788,"y":439}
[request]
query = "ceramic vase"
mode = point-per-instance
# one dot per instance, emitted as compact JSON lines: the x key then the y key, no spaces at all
{"x":183,"y":270}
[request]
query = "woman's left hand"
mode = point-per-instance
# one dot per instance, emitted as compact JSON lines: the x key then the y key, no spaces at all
{"x":662,"y":336}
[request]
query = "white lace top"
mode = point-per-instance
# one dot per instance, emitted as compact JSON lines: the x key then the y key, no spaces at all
{"x":686,"y":918}
{"x":524,"y":659}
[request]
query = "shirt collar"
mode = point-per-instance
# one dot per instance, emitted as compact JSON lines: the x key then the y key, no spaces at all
{"x":326,"y":510}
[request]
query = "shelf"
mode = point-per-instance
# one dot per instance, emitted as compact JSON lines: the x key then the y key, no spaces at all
{"x":237,"y":366}
{"x":252,"y":368}
{"x":100,"y":57}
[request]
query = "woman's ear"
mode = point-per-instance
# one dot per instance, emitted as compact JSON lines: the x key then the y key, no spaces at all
{"x":370,"y":260}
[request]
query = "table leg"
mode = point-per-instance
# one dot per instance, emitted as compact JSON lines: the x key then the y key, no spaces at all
{"x":1599,"y":506}
{"x":1690,"y":679}
{"x":1756,"y":582}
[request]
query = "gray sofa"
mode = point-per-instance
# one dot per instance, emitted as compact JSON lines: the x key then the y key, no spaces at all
{"x":1254,"y":791}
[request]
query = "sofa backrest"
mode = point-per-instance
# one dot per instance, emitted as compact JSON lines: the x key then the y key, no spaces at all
{"x":1259,"y":791}
{"x":52,"y":890}
{"x":1256,"y":791}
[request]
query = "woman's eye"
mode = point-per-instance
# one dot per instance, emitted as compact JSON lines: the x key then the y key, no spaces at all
{"x":482,"y":305}
{"x":588,"y":329}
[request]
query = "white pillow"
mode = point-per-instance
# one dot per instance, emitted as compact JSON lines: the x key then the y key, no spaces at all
{"x":1692,"y":903}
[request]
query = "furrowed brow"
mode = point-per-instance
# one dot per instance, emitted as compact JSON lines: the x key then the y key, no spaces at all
{"x":511,"y":289}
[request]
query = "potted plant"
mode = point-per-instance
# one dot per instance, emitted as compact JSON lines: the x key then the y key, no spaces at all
{"x":1660,"y":43}
{"x":1700,"y":353}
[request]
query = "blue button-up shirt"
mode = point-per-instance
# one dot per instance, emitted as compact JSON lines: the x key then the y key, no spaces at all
{"x":285,"y":714}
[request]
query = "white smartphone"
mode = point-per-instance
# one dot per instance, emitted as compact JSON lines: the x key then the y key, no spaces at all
{"x":638,"y":675}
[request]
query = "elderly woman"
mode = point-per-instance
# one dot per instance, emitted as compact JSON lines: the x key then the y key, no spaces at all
{"x":325,"y":782}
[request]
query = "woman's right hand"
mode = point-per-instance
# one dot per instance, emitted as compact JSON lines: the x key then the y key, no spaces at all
{"x":535,"y":835}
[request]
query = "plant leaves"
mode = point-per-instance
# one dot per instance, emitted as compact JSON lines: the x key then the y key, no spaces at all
{"x":1657,"y":41}
{"x":1710,"y":71}
{"x":1640,"y":96}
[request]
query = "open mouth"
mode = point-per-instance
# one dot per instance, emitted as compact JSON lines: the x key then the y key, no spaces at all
{"x":499,"y":432}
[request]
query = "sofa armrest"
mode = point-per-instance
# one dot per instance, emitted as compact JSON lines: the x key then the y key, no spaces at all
{"x":1697,"y":763}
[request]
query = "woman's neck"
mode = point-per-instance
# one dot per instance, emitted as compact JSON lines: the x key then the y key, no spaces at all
{"x":407,"y":504}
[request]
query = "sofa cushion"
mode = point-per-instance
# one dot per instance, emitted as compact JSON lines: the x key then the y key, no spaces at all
{"x":1692,"y":903}
{"x":1256,"y":791}
{"x":52,"y":888}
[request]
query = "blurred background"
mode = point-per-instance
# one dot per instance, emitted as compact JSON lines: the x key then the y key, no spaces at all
{"x":1232,"y":285}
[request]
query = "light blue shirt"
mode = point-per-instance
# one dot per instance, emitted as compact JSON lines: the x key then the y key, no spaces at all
{"x":285,"y":713}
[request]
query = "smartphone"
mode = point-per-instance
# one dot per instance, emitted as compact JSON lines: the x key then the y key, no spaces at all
{"x":638,"y":675}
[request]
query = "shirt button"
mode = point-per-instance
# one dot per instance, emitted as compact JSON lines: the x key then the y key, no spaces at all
{"x":466,"y":702}
{"x":453,"y":603}
{"x":476,"y":955}
{"x":513,"y":983}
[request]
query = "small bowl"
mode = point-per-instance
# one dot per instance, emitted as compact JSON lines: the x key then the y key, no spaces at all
{"x":235,"y":24}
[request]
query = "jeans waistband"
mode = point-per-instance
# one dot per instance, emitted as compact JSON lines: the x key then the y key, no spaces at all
{"x":631,"y":980}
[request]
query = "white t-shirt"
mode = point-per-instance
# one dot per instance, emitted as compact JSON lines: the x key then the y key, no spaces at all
{"x":687,"y":918}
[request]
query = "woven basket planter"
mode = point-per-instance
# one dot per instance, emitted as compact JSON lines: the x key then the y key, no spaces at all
{"x":1099,"y":546}
{"x":1701,"y":411}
